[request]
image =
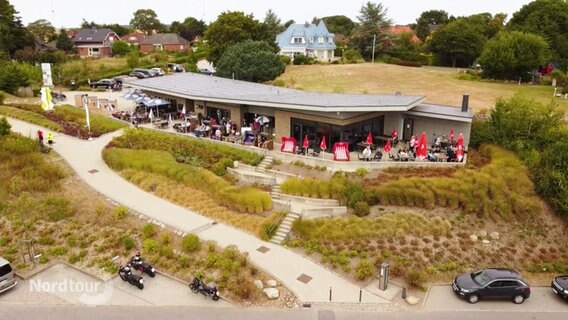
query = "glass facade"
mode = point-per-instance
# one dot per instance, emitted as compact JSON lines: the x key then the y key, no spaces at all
{"x":352,"y":133}
{"x":218,"y":113}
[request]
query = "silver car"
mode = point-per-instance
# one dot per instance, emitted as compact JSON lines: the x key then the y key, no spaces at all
{"x":8,"y":278}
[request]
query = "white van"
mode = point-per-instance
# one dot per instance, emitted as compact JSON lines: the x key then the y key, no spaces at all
{"x":8,"y":278}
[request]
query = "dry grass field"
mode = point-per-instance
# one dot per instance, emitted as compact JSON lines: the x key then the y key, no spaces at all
{"x":439,"y":85}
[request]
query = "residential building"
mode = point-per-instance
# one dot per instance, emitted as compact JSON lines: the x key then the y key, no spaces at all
{"x":164,"y":42}
{"x":134,"y":38}
{"x":94,"y":42}
{"x":308,"y":39}
{"x":400,"y":29}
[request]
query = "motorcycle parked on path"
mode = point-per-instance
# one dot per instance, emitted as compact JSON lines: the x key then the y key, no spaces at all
{"x":138,"y":264}
{"x":198,"y":286}
{"x":125,"y":273}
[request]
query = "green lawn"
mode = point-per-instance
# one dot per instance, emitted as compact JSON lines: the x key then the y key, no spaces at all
{"x":439,"y":85}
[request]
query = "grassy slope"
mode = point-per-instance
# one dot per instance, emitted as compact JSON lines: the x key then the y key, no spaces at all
{"x":439,"y":85}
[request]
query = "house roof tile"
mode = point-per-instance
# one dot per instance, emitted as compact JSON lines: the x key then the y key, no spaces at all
{"x":164,"y":38}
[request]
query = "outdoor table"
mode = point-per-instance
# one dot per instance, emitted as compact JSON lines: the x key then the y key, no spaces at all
{"x":363,"y":145}
{"x":441,"y":157}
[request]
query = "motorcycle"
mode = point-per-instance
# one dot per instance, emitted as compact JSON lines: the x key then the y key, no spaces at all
{"x":125,"y":274}
{"x":198,"y":286}
{"x":138,"y":264}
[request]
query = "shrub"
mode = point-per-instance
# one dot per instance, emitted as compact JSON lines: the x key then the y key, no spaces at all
{"x":301,"y":60}
{"x":4,"y":124}
{"x":58,"y":251}
{"x":362,"y":209}
{"x":416,"y":278}
{"x":148,"y":230}
{"x":285,"y":60}
{"x":128,"y":242}
{"x":364,"y":270}
{"x":120,"y":212}
{"x":190,"y":243}
{"x":2,"y":97}
{"x":150,"y":246}
{"x":361,"y":172}
{"x":408,"y":63}
{"x":352,"y":56}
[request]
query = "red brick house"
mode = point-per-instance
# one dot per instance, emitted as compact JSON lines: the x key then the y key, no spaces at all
{"x":94,"y":42}
{"x":134,"y":38}
{"x":399,"y":29}
{"x":164,"y":42}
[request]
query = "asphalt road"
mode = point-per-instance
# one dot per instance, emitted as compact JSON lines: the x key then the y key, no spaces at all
{"x":19,"y":312}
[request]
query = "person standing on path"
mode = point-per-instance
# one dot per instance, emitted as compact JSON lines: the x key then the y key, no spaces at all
{"x":40,"y":136}
{"x":50,"y":138}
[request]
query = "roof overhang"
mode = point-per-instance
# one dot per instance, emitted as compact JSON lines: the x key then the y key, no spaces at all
{"x":282,"y":105}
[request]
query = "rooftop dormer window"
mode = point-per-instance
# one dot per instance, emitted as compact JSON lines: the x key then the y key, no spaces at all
{"x":320,"y":39}
{"x":298,"y":40}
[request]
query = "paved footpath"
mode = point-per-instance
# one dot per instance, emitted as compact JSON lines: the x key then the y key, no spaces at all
{"x":285,"y":265}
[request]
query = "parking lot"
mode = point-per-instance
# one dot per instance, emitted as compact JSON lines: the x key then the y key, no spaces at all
{"x":62,"y":284}
{"x":542,"y":299}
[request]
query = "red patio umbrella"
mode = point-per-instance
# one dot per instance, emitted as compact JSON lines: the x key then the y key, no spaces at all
{"x":452,"y":135}
{"x":323,"y":145}
{"x":421,"y":151}
{"x":394,"y":135}
{"x":459,"y":153}
{"x":306,"y":143}
{"x":369,"y":138}
{"x":388,"y":147}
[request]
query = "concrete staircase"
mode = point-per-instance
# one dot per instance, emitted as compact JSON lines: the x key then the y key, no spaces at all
{"x":275,"y":192}
{"x":267,"y":161}
{"x":285,"y":227}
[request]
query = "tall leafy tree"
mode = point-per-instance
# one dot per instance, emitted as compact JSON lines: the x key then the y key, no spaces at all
{"x":458,"y":43}
{"x":63,"y":42}
{"x":13,"y":35}
{"x":339,"y":24}
{"x":511,"y":55}
{"x":254,"y":61}
{"x":146,"y":20}
{"x":548,"y":18}
{"x":373,"y":21}
{"x":272,"y":24}
{"x":428,"y":20}
{"x":189,"y":28}
{"x":231,"y":27}
{"x":42,"y":29}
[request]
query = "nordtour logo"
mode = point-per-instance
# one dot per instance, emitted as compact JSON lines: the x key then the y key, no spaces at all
{"x":91,"y":292}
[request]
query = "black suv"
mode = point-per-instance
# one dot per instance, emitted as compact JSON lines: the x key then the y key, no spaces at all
{"x":492,"y":283}
{"x":560,"y":286}
{"x":104,"y":83}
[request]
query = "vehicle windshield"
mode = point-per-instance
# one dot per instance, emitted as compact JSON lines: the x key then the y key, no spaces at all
{"x":480,"y":277}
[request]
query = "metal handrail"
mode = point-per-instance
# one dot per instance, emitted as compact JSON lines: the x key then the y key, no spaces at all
{"x":276,"y":224}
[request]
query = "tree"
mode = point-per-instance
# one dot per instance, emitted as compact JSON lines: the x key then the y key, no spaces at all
{"x":42,"y":29}
{"x":427,"y":20}
{"x":458,"y":43}
{"x":511,"y":55}
{"x":373,"y":21}
{"x":289,"y":23}
{"x":63,"y":42}
{"x":4,"y":126}
{"x":272,"y":24}
{"x":548,"y":18}
{"x":146,"y":20}
{"x":231,"y":27}
{"x":118,"y":29}
{"x":254,"y":61}
{"x":339,"y":25}
{"x":12,"y":76}
{"x":120,"y":48}
{"x":13,"y":35}
{"x":189,"y":28}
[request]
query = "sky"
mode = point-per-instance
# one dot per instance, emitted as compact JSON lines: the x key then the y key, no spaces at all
{"x":70,"y":13}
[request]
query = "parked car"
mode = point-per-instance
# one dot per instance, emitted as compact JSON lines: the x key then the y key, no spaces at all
{"x":207,"y":72}
{"x":560,"y":286}
{"x":174,"y":67}
{"x":158,"y":71}
{"x":139,"y":75}
{"x":8,"y":278}
{"x":145,"y":71}
{"x":492,"y":283}
{"x":103,"y":83}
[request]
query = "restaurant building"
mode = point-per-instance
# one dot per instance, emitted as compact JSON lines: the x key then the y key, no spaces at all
{"x":296,"y":113}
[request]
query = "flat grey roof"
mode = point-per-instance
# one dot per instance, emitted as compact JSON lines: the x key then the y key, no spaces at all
{"x":210,"y":88}
{"x":442,"y":112}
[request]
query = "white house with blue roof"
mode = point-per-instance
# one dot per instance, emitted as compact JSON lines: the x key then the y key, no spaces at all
{"x":308,"y":39}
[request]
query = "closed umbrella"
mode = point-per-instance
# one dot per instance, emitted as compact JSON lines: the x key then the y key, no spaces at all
{"x":459,"y":153}
{"x":451,"y":135}
{"x":151,"y":115}
{"x":306,"y":143}
{"x":369,"y":138}
{"x":394,"y":135}
{"x":323,"y":145}
{"x":388,"y":148}
{"x":421,"y":152}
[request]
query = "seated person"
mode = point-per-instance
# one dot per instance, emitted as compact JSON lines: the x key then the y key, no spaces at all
{"x":367,"y":153}
{"x":431,"y":156}
{"x":218,"y":134}
{"x":378,"y":155}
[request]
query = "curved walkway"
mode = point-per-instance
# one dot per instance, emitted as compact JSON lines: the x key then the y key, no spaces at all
{"x":287,"y":266}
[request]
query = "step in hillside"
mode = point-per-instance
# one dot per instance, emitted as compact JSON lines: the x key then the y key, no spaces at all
{"x":275,"y":192}
{"x":267,"y":161}
{"x":284,"y":228}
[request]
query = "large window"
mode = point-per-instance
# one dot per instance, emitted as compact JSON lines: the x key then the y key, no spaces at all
{"x":297,"y":40}
{"x":353,"y":133}
{"x":218,"y":113}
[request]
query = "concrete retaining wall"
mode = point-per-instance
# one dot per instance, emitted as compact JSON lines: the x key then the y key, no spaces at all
{"x":251,"y":177}
{"x":311,"y":201}
{"x":323,"y":212}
